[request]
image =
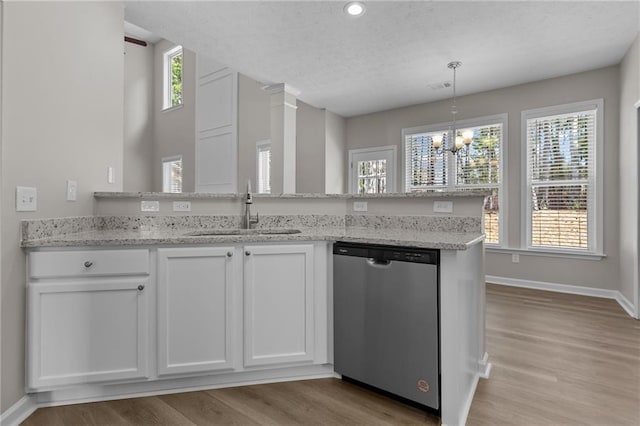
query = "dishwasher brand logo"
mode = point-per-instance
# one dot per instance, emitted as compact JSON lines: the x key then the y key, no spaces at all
{"x":422,"y":385}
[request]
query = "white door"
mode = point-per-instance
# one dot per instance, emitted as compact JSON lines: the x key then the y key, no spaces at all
{"x":216,"y":127}
{"x":279,"y":304}
{"x":87,"y":332}
{"x":195,"y":309}
{"x":372,"y":170}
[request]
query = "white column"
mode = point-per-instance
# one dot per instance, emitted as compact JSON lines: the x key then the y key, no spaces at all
{"x":283,"y":138}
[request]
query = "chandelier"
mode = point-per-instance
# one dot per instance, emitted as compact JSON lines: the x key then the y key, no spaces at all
{"x":459,"y":142}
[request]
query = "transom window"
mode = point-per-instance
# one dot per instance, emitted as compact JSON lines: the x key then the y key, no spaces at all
{"x":172,"y":92}
{"x":477,"y":166}
{"x":562,"y":195}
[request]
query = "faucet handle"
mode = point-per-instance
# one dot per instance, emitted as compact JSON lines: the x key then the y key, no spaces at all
{"x":256,"y":220}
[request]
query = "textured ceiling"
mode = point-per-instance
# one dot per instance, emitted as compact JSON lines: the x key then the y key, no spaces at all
{"x":390,"y":56}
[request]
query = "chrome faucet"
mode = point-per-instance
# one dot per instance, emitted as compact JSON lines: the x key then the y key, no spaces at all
{"x":247,"y":219}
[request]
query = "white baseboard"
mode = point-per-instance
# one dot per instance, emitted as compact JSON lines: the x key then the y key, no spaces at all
{"x":485,"y":366}
{"x":565,"y":288}
{"x":18,"y":412}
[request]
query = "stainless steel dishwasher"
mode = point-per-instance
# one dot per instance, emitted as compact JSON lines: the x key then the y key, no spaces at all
{"x":386,"y":319}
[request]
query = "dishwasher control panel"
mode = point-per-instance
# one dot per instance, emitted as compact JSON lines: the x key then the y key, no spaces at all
{"x":382,"y":252}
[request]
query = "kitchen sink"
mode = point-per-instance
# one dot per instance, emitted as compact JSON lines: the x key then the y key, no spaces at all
{"x":267,"y":231}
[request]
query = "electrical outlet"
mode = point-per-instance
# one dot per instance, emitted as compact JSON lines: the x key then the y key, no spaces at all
{"x":72,"y":190}
{"x":182,"y":206}
{"x":515,"y":258}
{"x":150,"y":206}
{"x":26,"y":199}
{"x":360,"y":206}
{"x":443,"y":206}
{"x":110,"y":178}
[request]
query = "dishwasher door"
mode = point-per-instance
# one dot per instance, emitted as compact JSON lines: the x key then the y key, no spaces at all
{"x":386,"y":322}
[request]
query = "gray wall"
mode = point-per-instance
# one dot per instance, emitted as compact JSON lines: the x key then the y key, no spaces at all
{"x":253,"y":125}
{"x":335,"y":181}
{"x":628,"y":211}
{"x":310,"y":155}
{"x":63,"y":85}
{"x":384,"y":128}
{"x":174,"y":130}
{"x":138,"y":118}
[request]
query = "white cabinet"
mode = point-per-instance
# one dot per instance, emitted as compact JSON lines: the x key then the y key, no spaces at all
{"x":196,"y":303}
{"x":279,"y":304}
{"x":87,"y":317}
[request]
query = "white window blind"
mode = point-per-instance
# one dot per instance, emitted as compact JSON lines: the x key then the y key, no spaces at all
{"x":263,"y":161}
{"x":425,"y":168}
{"x":172,"y":174}
{"x":561,"y":180}
{"x":475,"y":167}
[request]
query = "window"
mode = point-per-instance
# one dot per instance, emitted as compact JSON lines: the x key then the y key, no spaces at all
{"x":477,"y":167}
{"x":172,"y":174}
{"x":563,"y":211}
{"x":263,"y":162}
{"x":372,"y":170}
{"x":172,"y":78}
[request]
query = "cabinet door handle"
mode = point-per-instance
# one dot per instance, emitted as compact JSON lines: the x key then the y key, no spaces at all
{"x":88,"y":264}
{"x":248,"y":253}
{"x":140,"y":287}
{"x":229,"y":253}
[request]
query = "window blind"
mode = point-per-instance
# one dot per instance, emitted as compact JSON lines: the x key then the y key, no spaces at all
{"x":425,"y":168}
{"x":560,"y":171}
{"x":264,"y":167}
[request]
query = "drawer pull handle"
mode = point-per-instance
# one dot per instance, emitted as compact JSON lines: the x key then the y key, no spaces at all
{"x":140,"y":287}
{"x":229,"y":254}
{"x":88,"y":264}
{"x":248,"y":253}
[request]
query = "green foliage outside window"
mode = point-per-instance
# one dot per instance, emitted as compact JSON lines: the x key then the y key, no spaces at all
{"x":176,"y":80}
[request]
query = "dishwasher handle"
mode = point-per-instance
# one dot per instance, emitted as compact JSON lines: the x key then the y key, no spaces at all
{"x":378,"y":263}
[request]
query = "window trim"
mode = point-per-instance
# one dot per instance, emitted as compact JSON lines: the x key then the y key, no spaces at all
{"x":595,"y":226}
{"x":392,"y":149}
{"x":503,"y":185}
{"x":166,"y":78}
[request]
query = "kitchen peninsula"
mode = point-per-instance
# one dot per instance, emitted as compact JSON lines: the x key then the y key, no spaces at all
{"x":175,"y":301}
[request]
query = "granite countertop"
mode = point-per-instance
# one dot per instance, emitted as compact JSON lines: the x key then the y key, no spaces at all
{"x":397,"y":237}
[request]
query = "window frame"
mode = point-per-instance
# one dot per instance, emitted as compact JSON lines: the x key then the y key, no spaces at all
{"x":166,"y":179}
{"x":595,"y":203}
{"x":260,"y":145}
{"x":167,"y":83}
{"x":391,"y":175}
{"x":503,"y":119}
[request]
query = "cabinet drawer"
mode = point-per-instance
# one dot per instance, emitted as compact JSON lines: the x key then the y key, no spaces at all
{"x":88,"y":263}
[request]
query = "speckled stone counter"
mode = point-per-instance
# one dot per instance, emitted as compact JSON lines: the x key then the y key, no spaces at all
{"x":447,"y":233}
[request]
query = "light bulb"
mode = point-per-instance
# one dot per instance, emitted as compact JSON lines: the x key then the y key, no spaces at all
{"x":459,"y":142}
{"x":467,"y":137}
{"x":354,"y":8}
{"x":436,"y":141}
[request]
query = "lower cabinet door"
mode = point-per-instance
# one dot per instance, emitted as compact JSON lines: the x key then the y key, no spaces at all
{"x":195,"y":309}
{"x":278,"y":304}
{"x":87,"y":332}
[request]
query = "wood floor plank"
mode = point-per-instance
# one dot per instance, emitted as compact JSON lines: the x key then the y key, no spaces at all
{"x":558,"y":360}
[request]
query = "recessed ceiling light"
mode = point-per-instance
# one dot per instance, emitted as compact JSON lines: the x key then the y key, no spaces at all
{"x":354,"y":8}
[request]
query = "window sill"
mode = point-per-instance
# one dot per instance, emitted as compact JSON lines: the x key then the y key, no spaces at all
{"x":547,"y":253}
{"x":173,"y":108}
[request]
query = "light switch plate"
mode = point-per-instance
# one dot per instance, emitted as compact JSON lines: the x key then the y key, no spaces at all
{"x":72,"y":190}
{"x":182,"y":206}
{"x":26,"y":199}
{"x":443,"y":206}
{"x":360,"y":206}
{"x":150,"y":206}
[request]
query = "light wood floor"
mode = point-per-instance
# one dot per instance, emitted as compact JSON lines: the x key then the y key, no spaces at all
{"x":557,"y":360}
